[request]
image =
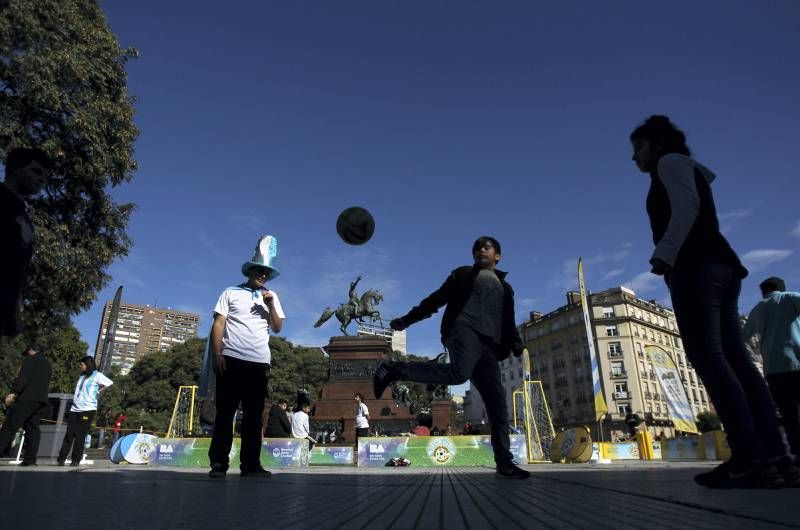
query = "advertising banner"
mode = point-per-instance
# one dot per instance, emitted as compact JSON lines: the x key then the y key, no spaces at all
{"x":688,"y":448}
{"x":600,"y":407}
{"x":193,"y":452}
{"x":134,"y":448}
{"x":619,"y":450}
{"x":678,"y":407}
{"x":327,"y":455}
{"x":435,"y":451}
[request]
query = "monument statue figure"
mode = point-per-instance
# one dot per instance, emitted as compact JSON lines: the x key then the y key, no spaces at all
{"x":355,"y":308}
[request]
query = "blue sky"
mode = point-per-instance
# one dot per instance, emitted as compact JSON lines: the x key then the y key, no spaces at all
{"x":447,"y":120}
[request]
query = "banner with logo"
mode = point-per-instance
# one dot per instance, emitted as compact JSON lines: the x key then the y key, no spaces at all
{"x":134,"y":448}
{"x":619,"y":450}
{"x":687,"y":448}
{"x":600,"y":407}
{"x":435,"y":451}
{"x":678,"y":407}
{"x":326,"y":455}
{"x":193,"y":452}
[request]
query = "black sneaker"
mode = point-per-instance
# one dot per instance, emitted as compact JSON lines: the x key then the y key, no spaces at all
{"x":755,"y":475}
{"x":27,"y":464}
{"x":383,"y":377}
{"x":60,"y":463}
{"x":218,"y":471}
{"x":258,"y":472}
{"x":787,"y":467}
{"x":511,"y":471}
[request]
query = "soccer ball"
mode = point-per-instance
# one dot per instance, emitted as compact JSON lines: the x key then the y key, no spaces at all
{"x":355,"y":225}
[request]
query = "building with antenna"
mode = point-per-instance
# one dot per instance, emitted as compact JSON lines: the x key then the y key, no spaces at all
{"x":143,"y":329}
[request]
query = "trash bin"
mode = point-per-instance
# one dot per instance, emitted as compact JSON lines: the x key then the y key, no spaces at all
{"x":54,"y":428}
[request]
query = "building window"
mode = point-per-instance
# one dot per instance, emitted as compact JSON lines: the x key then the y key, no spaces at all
{"x":608,"y":312}
{"x":615,"y":349}
{"x":624,"y":409}
{"x":617,"y":369}
{"x":611,"y":331}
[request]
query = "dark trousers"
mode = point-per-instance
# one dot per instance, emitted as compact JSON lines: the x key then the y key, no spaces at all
{"x":28,"y":415}
{"x":785,"y":388}
{"x":361,"y":431}
{"x":78,"y":424}
{"x":472,"y":357}
{"x":706,"y":302}
{"x":242,"y":382}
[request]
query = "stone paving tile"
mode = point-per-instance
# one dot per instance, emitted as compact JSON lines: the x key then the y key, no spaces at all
{"x":617,"y":496}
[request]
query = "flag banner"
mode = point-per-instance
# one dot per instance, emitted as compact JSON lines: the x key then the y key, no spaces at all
{"x":678,"y":407}
{"x":600,"y":407}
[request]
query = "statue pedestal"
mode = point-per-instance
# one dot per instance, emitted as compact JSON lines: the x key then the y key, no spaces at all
{"x":352,"y":365}
{"x":440,"y":411}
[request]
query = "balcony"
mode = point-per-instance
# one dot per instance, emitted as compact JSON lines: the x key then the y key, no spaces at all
{"x":614,"y":354}
{"x":648,"y":395}
{"x":621,"y":395}
{"x":621,"y":374}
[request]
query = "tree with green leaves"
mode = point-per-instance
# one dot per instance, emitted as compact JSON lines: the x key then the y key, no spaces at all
{"x":63,"y":89}
{"x":708,"y":421}
{"x":295,"y":368}
{"x":63,"y":347}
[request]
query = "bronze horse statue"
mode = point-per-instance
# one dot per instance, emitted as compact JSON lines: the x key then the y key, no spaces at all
{"x":346,"y":312}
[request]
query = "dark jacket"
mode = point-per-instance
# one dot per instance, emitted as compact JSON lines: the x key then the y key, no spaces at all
{"x":704,"y":243}
{"x":16,"y":242}
{"x":33,"y":381}
{"x":278,"y":423}
{"x":454,"y":292}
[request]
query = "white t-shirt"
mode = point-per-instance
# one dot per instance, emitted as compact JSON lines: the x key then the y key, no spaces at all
{"x":300,"y":424}
{"x":361,"y":416}
{"x":85,"y":397}
{"x":247,"y":319}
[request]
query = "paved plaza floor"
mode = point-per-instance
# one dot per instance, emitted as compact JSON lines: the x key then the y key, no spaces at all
{"x":633,"y":495}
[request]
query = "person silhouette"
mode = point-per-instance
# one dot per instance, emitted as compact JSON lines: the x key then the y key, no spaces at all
{"x":704,"y":277}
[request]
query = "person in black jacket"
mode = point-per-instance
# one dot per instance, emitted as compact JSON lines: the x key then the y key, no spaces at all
{"x":27,"y":402}
{"x":704,"y":276}
{"x":27,"y":171}
{"x":478,"y":329}
{"x":278,"y":425}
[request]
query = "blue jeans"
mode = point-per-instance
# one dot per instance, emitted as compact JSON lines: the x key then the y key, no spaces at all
{"x":706,"y":302}
{"x":472,"y":357}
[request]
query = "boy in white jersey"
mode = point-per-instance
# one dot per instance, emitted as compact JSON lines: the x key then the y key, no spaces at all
{"x":83,"y":410}
{"x":239,"y":344}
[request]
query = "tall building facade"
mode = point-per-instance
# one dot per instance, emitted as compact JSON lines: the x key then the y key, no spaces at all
{"x":143,"y":329}
{"x":622,"y":325}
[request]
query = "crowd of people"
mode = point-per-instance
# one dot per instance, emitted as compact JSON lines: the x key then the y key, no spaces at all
{"x":700,"y":268}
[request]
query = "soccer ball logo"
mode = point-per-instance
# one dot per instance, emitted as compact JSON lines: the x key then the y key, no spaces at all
{"x":441,"y":451}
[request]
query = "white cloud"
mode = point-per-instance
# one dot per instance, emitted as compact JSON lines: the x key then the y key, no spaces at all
{"x":613,"y":274}
{"x":735,"y":215}
{"x":567,"y":279}
{"x":796,"y":230}
{"x":760,"y":258}
{"x":643,"y":282}
{"x":527,"y":303}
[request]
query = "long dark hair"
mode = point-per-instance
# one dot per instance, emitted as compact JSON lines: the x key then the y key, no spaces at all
{"x":659,"y":129}
{"x":90,"y":365}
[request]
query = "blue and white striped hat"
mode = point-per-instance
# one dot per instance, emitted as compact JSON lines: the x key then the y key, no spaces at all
{"x":265,"y":255}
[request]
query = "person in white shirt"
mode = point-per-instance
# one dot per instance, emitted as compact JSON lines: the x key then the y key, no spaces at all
{"x":300,"y":428}
{"x":84,"y":407}
{"x":239,"y":343}
{"x":362,"y":416}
